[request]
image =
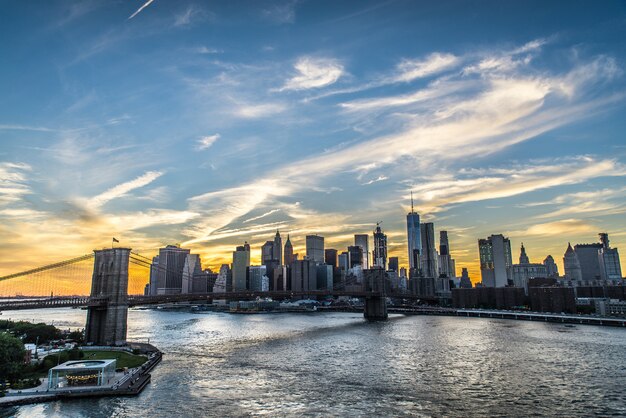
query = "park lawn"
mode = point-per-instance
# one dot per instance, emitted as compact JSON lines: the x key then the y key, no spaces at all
{"x":123,"y":358}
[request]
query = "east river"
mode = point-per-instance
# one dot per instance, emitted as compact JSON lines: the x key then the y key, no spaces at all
{"x":336,"y":364}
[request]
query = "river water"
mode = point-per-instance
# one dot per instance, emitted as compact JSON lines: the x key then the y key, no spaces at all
{"x":336,"y":364}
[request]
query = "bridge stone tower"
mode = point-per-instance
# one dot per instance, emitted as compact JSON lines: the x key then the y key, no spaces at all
{"x":106,"y":325}
{"x":375,"y":305}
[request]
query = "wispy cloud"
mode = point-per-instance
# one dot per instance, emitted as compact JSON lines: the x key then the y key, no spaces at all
{"x":146,"y":4}
{"x":206,"y":141}
{"x":567,"y":227}
{"x":123,"y":189}
{"x":280,"y":12}
{"x":314,"y":73}
{"x":190,"y":15}
{"x":263,"y":215}
{"x":409,"y":70}
{"x":255,"y":111}
{"x":13,"y":182}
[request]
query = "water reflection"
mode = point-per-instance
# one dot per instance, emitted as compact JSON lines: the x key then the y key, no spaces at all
{"x":338,"y":364}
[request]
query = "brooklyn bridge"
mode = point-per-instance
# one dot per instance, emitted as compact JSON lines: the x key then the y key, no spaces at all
{"x":108,"y":282}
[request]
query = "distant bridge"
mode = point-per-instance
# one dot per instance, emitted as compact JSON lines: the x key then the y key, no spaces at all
{"x":109,"y":300}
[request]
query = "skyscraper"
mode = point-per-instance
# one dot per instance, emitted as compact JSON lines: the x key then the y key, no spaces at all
{"x":315,"y":248}
{"x":523,"y":258}
{"x":278,"y":248}
{"x":343,"y":260}
{"x":495,"y":260}
{"x":362,"y":240}
{"x":355,"y":256}
{"x":154,"y":275}
{"x":380,"y":248}
{"x":394,"y":264}
{"x":170,"y":269}
{"x":288,"y":252}
{"x":610,"y":268}
{"x":330,"y":257}
{"x":428,"y":256}
{"x":589,"y":262}
{"x":191,"y":270}
{"x":446,"y":263}
{"x":413,"y":237}
{"x":571,"y":265}
{"x":259,"y":282}
{"x":465,"y":283}
{"x":267,"y":253}
{"x":241,"y":262}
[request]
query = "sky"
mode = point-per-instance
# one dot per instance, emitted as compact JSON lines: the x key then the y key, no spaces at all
{"x":210,"y":123}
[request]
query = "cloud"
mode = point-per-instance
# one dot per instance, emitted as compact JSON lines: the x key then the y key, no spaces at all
{"x":256,"y":218}
{"x":191,"y":14}
{"x":283,"y":12}
{"x":255,"y":111}
{"x":146,"y":4}
{"x":314,"y":73}
{"x":207,"y":50}
{"x":409,"y":70}
{"x":563,"y":227}
{"x":13,"y":182}
{"x":123,"y":189}
{"x":206,"y":141}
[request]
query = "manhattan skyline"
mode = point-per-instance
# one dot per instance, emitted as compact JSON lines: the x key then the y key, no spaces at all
{"x":211,"y":124}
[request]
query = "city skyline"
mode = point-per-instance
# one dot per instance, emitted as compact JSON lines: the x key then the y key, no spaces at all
{"x":208,"y":126}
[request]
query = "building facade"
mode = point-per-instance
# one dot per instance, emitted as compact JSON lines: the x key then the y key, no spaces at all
{"x":170,"y":269}
{"x":380,"y":248}
{"x":315,"y":248}
{"x":413,"y":235}
{"x":241,"y":262}
{"x":495,"y":260}
{"x":362,"y":240}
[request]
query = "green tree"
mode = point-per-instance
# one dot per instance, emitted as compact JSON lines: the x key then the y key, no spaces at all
{"x":11,"y":358}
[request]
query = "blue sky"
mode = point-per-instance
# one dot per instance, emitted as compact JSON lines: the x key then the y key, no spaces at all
{"x":210,"y":123}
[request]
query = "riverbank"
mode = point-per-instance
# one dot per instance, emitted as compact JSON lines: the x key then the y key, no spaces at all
{"x":130,"y":384}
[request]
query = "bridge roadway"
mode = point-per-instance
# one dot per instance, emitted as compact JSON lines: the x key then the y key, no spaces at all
{"x":141,"y":300}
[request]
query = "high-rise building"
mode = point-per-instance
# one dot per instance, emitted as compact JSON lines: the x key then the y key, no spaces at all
{"x":278,"y":248}
{"x":355,"y":256}
{"x":413,"y":237}
{"x":154,"y":275}
{"x":279,"y":278}
{"x":224,"y":281}
{"x":394,"y":264}
{"x":380,"y":248}
{"x":267,"y":253}
{"x":241,"y":262}
{"x":170,"y":270}
{"x":362,"y":240}
{"x":495,"y":261}
{"x":589,"y":262}
{"x":259,"y":281}
{"x":552,"y":270}
{"x":288,"y":252}
{"x":192,"y":270}
{"x":315,"y":248}
{"x":303,"y":275}
{"x":610,"y":268}
{"x":465,"y":283}
{"x":428,"y":256}
{"x":324,"y":277}
{"x":343,"y":261}
{"x":330,"y":257}
{"x":571,"y":265}
{"x":447,"y":266}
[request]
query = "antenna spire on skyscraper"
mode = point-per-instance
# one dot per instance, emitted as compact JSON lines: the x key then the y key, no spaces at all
{"x":412,"y":201}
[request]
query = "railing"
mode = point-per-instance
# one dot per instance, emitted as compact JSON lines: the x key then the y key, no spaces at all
{"x":55,"y":302}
